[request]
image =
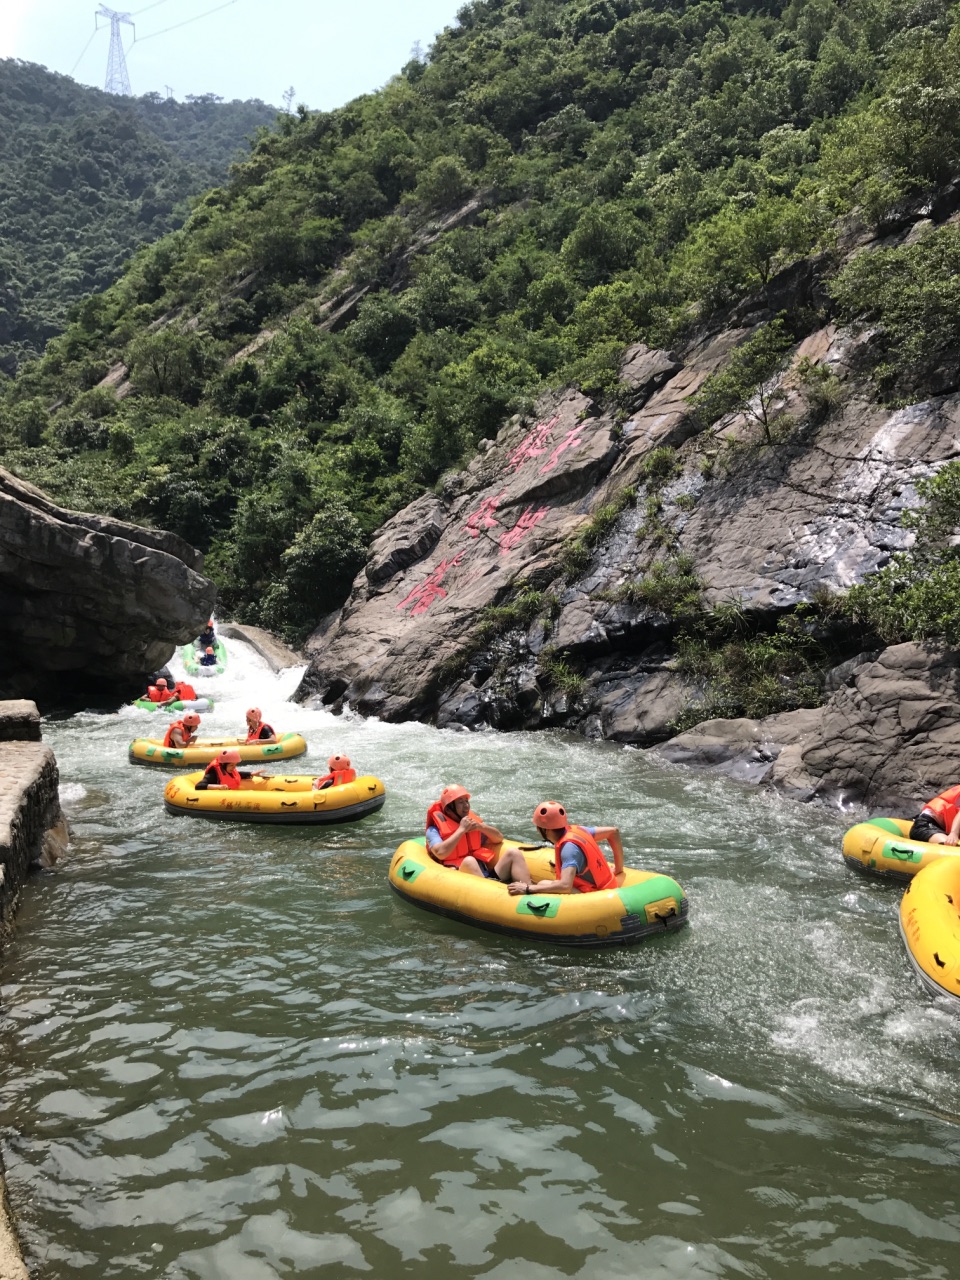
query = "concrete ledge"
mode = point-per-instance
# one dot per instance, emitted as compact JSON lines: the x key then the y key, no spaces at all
{"x":274,"y":652}
{"x":19,"y":721}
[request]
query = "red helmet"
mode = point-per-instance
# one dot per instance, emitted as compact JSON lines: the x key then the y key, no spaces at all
{"x":550,"y":816}
{"x":161,"y":683}
{"x":449,"y":794}
{"x":255,"y":712}
{"x":209,"y":622}
{"x":230,"y":755}
{"x":192,"y":719}
{"x":208,"y":649}
{"x":338,"y":762}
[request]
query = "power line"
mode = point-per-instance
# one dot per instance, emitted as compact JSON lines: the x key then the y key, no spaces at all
{"x":96,"y":32}
{"x":186,"y":22}
{"x":156,"y":5}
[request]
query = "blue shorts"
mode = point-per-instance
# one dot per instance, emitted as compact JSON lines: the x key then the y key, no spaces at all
{"x":487,"y":871}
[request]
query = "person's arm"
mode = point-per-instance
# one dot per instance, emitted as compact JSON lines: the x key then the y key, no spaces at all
{"x":440,"y":851}
{"x":268,"y":738}
{"x":490,"y":833}
{"x":612,"y":837}
{"x":953,"y":835}
{"x":563,"y":885}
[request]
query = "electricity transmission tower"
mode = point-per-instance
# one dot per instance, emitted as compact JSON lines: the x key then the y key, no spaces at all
{"x":117,"y":79}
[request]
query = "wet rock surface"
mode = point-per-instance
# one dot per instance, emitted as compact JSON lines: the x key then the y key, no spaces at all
{"x":888,"y":738}
{"x":90,"y":605}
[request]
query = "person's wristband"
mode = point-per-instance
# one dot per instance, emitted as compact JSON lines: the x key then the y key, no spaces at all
{"x":529,"y":889}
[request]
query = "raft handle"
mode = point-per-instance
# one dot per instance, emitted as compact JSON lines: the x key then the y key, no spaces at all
{"x":942,"y":963}
{"x":538,"y":908}
{"x":288,"y":804}
{"x":408,"y":872}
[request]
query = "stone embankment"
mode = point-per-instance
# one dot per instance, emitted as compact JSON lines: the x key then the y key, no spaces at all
{"x":32,"y":831}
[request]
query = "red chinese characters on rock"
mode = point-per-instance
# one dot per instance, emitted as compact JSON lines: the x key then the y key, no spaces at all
{"x":529,"y":520}
{"x":484,"y":515}
{"x":429,"y":591}
{"x":572,"y":440}
{"x":533,"y":444}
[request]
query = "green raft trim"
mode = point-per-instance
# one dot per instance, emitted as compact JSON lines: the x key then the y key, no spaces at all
{"x":888,"y":825}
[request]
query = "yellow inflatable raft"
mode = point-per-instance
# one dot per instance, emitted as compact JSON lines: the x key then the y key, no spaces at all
{"x":152,"y":750}
{"x":930,"y":926}
{"x":882,"y":845}
{"x":278,"y":798}
{"x":644,"y":902}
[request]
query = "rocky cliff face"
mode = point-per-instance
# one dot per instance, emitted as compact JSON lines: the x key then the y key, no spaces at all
{"x":89,"y":605}
{"x":508,"y":598}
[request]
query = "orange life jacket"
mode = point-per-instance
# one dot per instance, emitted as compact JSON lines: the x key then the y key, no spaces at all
{"x":597,"y":864}
{"x":185,"y":692}
{"x":225,"y":779}
{"x":469,"y":844}
{"x":156,"y":695}
{"x":177,"y":724}
{"x":945,"y":806}
{"x":338,"y":778}
{"x":254,"y":734}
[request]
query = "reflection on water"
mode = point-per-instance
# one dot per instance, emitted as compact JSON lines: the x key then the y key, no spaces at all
{"x":232,"y":1054}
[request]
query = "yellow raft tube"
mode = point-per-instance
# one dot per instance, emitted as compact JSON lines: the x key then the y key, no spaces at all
{"x":644,"y":902}
{"x":152,"y":750}
{"x":277,"y":799}
{"x":930,"y":926}
{"x":883,"y":846}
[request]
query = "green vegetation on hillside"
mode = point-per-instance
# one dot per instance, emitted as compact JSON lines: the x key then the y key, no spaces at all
{"x":85,"y":179}
{"x":609,"y":170}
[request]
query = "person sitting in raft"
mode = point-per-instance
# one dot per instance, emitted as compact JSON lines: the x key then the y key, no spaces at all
{"x":182,"y":732}
{"x":340,"y":774}
{"x":459,"y":838}
{"x":577,"y":855}
{"x":184,"y":692}
{"x":207,"y":636}
{"x":222,"y":774}
{"x":160,"y":692}
{"x":938,"y":822}
{"x":208,"y":658}
{"x":257,"y":729}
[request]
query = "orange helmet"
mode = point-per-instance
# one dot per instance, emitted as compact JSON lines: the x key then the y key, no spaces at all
{"x":230,"y":756}
{"x":338,"y":762}
{"x":449,"y":794}
{"x":254,"y":711}
{"x":209,"y":622}
{"x":208,"y":649}
{"x":161,"y":683}
{"x":192,"y":719}
{"x":550,"y":816}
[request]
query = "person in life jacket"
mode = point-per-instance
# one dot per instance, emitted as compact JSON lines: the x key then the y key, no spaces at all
{"x":459,"y":838}
{"x":222,"y":774}
{"x":185,"y":692}
{"x":340,"y":773}
{"x":160,"y":692}
{"x":578,"y":858}
{"x":208,"y":658}
{"x":938,"y":822}
{"x":207,"y":636}
{"x":257,"y":731}
{"x":182,"y":732}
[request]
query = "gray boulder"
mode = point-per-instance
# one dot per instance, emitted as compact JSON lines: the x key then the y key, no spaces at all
{"x":90,"y":605}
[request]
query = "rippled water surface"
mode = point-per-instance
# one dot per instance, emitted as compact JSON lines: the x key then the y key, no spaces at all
{"x":231,"y":1053}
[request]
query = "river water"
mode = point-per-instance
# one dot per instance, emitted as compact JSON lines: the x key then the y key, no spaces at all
{"x":231,"y":1053}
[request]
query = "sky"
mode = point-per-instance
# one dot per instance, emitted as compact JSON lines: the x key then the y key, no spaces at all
{"x":328,"y":51}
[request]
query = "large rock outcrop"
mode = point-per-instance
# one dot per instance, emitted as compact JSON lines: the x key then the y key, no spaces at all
{"x":889,"y":737}
{"x":87,"y":596}
{"x":509,"y":597}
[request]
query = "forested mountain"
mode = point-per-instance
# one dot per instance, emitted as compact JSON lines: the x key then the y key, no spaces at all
{"x":375,"y":288}
{"x":85,"y":179}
